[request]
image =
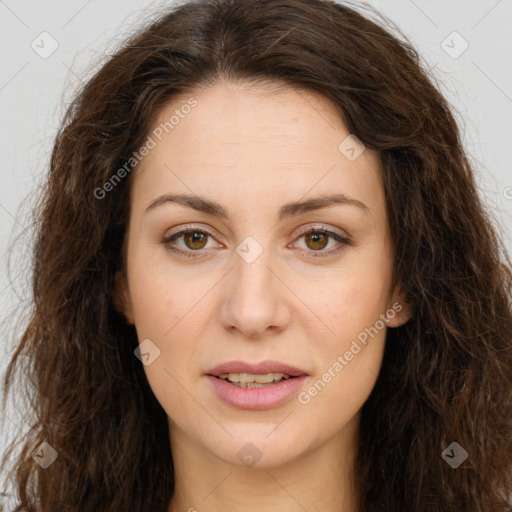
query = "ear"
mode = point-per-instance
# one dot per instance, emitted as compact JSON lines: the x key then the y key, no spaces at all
{"x":399,"y":310}
{"x":121,"y":297}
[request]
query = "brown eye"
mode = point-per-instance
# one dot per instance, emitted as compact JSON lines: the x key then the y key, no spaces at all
{"x":316,"y":240}
{"x":191,"y":242}
{"x":195,"y":239}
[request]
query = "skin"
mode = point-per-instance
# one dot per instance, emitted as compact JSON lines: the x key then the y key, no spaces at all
{"x":253,"y":148}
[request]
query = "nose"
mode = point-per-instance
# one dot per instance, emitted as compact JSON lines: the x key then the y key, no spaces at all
{"x":256,"y":298}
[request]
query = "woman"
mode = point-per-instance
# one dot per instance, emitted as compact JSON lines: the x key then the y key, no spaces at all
{"x":264,"y":280}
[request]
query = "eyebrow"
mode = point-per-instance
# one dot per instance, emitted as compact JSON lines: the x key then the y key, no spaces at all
{"x":209,"y":207}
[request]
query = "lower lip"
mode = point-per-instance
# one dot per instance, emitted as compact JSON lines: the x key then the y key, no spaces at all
{"x":256,"y":399}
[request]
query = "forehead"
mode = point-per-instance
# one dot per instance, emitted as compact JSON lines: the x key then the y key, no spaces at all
{"x":255,"y":139}
{"x":232,"y":111}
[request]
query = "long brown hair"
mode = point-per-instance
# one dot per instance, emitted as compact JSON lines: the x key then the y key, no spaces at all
{"x":447,"y":373}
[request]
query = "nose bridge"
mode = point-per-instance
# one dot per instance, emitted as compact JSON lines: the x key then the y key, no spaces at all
{"x":255,"y":302}
{"x":252,"y":274}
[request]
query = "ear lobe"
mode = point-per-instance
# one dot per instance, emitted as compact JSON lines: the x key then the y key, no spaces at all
{"x":121,"y":297}
{"x":399,"y":311}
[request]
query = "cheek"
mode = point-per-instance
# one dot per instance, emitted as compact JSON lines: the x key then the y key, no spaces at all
{"x":170,"y":315}
{"x":165,"y":311}
{"x":162,"y":295}
{"x":350,"y":337}
{"x":171,"y":308}
{"x":348,"y":361}
{"x":348,"y":299}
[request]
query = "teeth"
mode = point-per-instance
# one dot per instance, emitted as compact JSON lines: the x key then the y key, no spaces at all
{"x":264,"y":379}
{"x":251,"y":380}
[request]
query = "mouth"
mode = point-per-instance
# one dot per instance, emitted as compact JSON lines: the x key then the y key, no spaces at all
{"x":247,"y":380}
{"x":265,"y":372}
{"x":256,"y":386}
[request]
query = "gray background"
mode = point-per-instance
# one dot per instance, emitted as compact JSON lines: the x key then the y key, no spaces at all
{"x":36,"y":86}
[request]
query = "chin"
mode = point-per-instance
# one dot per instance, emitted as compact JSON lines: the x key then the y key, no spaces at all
{"x":254,"y":447}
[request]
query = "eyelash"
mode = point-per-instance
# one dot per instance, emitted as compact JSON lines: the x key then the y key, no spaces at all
{"x":314,"y":254}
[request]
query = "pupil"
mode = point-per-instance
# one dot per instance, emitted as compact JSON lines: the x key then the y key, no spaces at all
{"x":194,"y":238}
{"x":316,"y":239}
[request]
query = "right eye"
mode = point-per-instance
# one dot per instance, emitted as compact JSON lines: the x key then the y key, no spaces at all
{"x":195,"y":240}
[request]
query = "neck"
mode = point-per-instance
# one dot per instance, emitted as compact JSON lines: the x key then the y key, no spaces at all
{"x":318,"y":479}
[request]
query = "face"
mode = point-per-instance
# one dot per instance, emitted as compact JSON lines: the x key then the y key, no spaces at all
{"x":268,"y":286}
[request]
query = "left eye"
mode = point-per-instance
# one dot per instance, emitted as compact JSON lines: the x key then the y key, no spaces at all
{"x":317,"y":239}
{"x":196,"y":239}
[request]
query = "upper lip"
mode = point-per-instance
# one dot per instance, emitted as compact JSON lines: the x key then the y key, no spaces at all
{"x":256,"y":369}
